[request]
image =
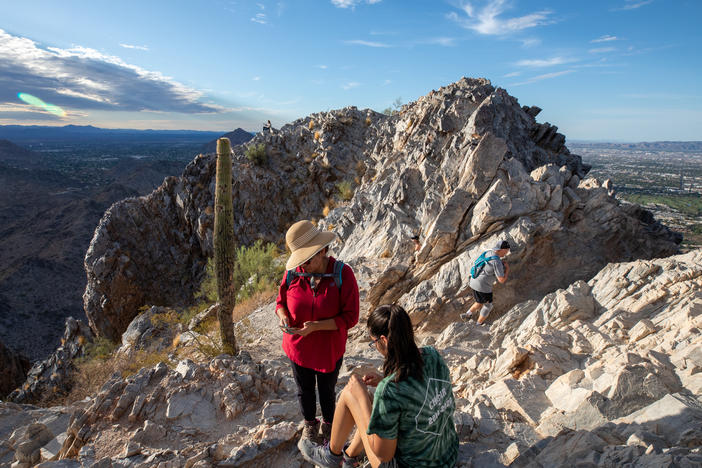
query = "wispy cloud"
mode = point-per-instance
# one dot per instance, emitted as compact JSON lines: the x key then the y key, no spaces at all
{"x":632,"y":5}
{"x":510,"y":75}
{"x":323,"y":67}
{"x":488,"y":19}
{"x":605,"y":38}
{"x":602,"y":50}
{"x":530,"y":42}
{"x":442,"y":41}
{"x":137,"y":47}
{"x":350,"y":85}
{"x":387,"y":82}
{"x":84,"y":78}
{"x":260,"y":18}
{"x":366,"y":43}
{"x":540,"y":63}
{"x":256,"y":78}
{"x":545,"y":76}
{"x":352,"y":3}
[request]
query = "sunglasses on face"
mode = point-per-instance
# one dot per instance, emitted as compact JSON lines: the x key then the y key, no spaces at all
{"x":373,"y":342}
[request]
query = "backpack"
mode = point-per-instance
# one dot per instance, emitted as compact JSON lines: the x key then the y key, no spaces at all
{"x":480,"y":263}
{"x":336,"y":274}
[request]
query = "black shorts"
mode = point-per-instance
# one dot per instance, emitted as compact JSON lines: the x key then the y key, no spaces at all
{"x":481,"y":297}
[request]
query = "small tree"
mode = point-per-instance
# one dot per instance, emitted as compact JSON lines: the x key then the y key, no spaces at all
{"x":224,"y":245}
{"x":395,"y":108}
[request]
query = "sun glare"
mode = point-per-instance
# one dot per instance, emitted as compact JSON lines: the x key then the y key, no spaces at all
{"x":36,"y":102}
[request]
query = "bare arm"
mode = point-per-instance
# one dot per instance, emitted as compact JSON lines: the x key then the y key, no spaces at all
{"x":503,"y":279}
{"x":317,"y":325}
{"x":383,"y":449}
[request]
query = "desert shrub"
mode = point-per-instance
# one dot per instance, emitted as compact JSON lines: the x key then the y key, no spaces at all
{"x":100,"y":348}
{"x":257,"y":269}
{"x":257,"y":154}
{"x":344,"y":190}
{"x":316,"y":136}
{"x":311,"y":125}
{"x":394,"y":108}
{"x":208,"y":288}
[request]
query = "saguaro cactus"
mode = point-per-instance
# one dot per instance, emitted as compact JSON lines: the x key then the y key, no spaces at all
{"x":224,"y":245}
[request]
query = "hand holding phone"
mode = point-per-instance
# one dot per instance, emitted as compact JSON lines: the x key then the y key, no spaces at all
{"x":289,"y":330}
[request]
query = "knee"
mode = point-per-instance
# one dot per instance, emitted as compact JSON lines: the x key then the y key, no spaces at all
{"x":485,"y":310}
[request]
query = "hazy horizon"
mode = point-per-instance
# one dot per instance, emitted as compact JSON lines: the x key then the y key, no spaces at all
{"x":622,"y":70}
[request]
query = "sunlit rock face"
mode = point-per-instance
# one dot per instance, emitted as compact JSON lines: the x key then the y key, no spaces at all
{"x":461,"y":167}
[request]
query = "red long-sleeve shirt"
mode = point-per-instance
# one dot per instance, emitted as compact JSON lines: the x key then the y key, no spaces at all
{"x":319,"y":350}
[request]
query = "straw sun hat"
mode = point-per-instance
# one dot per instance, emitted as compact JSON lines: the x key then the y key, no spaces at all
{"x":304,"y":241}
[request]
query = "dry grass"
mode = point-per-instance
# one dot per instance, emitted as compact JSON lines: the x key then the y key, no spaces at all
{"x":316,"y":136}
{"x":311,"y":125}
{"x":246,"y":307}
{"x":100,"y":363}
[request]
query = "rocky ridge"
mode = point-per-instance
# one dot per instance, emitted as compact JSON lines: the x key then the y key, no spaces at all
{"x":601,"y":373}
{"x":463,"y":166}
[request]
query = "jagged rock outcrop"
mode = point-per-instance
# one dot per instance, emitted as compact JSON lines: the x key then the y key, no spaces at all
{"x":228,"y":411}
{"x":463,"y":166}
{"x":602,"y":374}
{"x":50,"y":378}
{"x":607,"y":371}
{"x":13,"y":369}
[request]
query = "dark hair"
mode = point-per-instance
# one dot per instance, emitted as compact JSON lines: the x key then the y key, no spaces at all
{"x":403,"y":358}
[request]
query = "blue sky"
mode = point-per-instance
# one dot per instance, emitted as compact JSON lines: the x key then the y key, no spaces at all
{"x":618,"y":70}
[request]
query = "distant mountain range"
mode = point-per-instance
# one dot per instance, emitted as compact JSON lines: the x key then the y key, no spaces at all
{"x":74,"y":133}
{"x":675,"y":146}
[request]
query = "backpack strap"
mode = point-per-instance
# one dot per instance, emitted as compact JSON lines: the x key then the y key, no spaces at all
{"x":480,"y":263}
{"x":338,"y":267}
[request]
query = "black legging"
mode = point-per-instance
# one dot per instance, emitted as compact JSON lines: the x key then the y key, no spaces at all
{"x":326,"y":385}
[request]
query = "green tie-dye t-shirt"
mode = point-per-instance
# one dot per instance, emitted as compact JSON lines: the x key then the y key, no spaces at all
{"x":419,"y":414}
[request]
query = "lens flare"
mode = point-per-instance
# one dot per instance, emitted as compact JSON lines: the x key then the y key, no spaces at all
{"x":36,"y":102}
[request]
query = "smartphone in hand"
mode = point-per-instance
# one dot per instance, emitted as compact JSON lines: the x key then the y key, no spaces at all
{"x":289,"y":330}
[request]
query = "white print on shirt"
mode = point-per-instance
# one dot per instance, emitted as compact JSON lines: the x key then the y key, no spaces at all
{"x":437,"y":400}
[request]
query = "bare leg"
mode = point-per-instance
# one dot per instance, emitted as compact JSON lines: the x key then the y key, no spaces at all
{"x":475,"y":308}
{"x":355,"y":448}
{"x":353,"y":409}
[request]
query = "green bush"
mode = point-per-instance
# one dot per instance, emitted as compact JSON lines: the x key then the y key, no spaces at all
{"x":208,"y":287}
{"x":257,"y":154}
{"x":256,"y":269}
{"x":100,"y":348}
{"x":344,"y":189}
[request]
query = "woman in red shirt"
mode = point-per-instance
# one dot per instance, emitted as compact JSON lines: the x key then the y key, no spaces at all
{"x":315,"y":312}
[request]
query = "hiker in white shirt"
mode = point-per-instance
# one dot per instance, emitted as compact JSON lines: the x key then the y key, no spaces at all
{"x":486,"y":269}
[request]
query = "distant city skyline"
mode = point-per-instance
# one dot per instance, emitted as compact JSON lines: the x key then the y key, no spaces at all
{"x":618,"y":70}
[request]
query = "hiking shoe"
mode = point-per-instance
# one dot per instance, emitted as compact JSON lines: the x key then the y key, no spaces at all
{"x":311,"y":431}
{"x":326,"y":431}
{"x":466,"y":316}
{"x":319,"y":455}
{"x":352,"y":462}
